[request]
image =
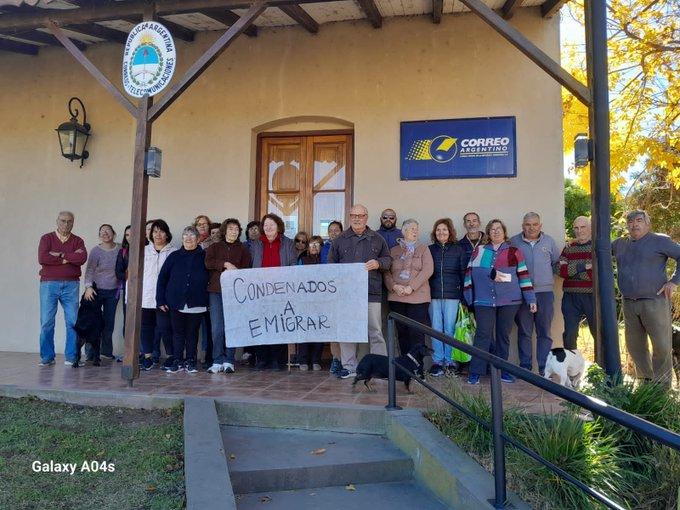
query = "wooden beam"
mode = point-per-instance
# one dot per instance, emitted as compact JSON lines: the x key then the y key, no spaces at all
{"x":43,"y":38}
{"x":509,"y":7}
{"x":140,"y":193}
{"x":206,"y":59}
{"x":18,"y":47}
{"x":92,"y":69}
{"x":177,"y":31}
{"x":108,"y":34}
{"x":372,"y":12}
{"x":437,"y":10}
{"x":228,"y":18}
{"x":535,"y":54}
{"x":103,"y":10}
{"x":298,"y":14}
{"x":551,"y":7}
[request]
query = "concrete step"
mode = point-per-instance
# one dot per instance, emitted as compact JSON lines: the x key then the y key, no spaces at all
{"x":266,"y":459}
{"x":390,"y":496}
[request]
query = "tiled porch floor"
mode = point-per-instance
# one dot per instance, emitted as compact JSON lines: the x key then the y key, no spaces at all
{"x":22,"y":370}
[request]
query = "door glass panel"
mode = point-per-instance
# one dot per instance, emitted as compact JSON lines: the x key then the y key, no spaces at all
{"x":284,"y":167}
{"x":329,"y":166}
{"x":328,"y":206}
{"x":286,"y":205}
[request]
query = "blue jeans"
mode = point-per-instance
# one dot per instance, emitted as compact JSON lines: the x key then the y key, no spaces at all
{"x":52,"y":293}
{"x":220,"y":352}
{"x":443,"y":314}
{"x":525,"y":329}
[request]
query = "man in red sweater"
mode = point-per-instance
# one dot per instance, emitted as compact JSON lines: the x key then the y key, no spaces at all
{"x":576,"y":267}
{"x":60,"y":255}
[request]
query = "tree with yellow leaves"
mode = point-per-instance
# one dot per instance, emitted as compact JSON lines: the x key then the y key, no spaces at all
{"x":644,"y":84}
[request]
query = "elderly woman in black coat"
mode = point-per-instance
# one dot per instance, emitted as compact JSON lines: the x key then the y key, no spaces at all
{"x":182,"y":290}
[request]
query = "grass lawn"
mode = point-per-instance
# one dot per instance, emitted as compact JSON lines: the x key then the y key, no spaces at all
{"x":144,"y":446}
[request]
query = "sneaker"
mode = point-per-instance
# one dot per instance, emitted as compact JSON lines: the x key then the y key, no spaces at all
{"x":167,"y":363}
{"x":304,"y":367}
{"x":336,"y":366}
{"x":316,"y":367}
{"x":207,"y":363}
{"x":173,"y":368}
{"x":473,"y":379}
{"x":507,"y":378}
{"x":228,"y":368}
{"x":46,"y":363}
{"x":436,"y":370}
{"x":71,"y":363}
{"x":346,"y":374}
{"x":215,"y":368}
{"x":190,"y":366}
{"x":110,"y":357}
{"x":156,"y":360}
{"x":147,"y":364}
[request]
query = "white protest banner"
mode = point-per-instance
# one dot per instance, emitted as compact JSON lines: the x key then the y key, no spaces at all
{"x":295,"y":304}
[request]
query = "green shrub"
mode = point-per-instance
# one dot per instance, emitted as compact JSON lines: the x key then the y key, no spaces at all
{"x":621,"y":464}
{"x":575,"y":445}
{"x":656,"y":468}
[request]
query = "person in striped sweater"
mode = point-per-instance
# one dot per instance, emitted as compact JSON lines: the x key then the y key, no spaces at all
{"x":576,"y":267}
{"x":497,"y":281}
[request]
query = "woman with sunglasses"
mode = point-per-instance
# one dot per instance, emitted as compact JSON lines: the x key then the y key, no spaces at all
{"x":301,"y":244}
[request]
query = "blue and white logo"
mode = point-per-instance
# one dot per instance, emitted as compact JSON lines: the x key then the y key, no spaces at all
{"x":149,"y":59}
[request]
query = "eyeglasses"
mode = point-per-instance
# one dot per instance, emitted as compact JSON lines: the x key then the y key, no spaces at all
{"x":385,"y":217}
{"x":300,"y":241}
{"x":314,"y":245}
{"x":358,"y":216}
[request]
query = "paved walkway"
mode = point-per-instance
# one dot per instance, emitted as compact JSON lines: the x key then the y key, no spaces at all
{"x":21,"y":370}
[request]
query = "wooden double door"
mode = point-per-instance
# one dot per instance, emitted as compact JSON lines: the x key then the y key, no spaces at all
{"x":306,"y":179}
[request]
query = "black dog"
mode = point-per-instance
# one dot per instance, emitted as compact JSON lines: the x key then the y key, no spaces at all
{"x":89,"y":326}
{"x":676,"y":352}
{"x":376,"y":365}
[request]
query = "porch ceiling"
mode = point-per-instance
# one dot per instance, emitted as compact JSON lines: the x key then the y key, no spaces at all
{"x":93,"y":21}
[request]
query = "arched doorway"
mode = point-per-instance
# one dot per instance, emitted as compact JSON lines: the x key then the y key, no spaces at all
{"x":305,"y":177}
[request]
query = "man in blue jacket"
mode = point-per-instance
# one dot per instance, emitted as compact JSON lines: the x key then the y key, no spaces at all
{"x":541,"y":254}
{"x":388,"y":228}
{"x":641,"y":260}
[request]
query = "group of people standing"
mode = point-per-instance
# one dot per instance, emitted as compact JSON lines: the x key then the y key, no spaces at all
{"x":504,"y":280}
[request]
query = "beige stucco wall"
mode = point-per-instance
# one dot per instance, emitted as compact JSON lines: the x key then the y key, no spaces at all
{"x":348,"y":74}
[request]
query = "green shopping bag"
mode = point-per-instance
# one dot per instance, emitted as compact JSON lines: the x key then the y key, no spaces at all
{"x":464,"y":332}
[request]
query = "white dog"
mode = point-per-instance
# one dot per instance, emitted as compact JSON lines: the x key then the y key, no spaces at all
{"x":567,"y":366}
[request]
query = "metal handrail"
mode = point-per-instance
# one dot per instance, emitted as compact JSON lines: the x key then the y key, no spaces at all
{"x":497,"y":364}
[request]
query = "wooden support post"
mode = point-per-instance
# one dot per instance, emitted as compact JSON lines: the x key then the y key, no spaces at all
{"x":372,"y":12}
{"x":437,"y":10}
{"x":206,"y":59}
{"x":509,"y":8}
{"x":535,"y":54}
{"x":92,"y":69}
{"x":298,"y":14}
{"x":140,"y":187}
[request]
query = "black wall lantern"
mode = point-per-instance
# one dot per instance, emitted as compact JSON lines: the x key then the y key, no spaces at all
{"x":73,"y":136}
